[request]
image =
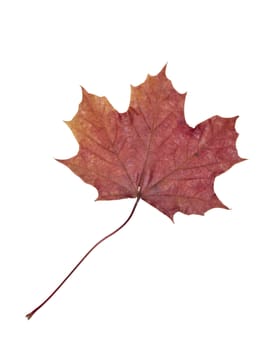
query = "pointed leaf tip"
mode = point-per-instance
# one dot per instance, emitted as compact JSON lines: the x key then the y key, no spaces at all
{"x":163,"y":70}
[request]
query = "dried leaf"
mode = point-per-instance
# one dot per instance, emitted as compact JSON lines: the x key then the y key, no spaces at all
{"x":150,"y":153}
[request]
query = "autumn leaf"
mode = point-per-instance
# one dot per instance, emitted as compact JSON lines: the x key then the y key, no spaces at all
{"x":150,"y":153}
{"x":150,"y":149}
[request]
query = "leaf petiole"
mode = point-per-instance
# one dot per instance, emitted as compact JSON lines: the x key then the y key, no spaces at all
{"x":30,"y":314}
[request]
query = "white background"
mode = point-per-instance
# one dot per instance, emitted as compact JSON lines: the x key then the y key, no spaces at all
{"x":194,"y":284}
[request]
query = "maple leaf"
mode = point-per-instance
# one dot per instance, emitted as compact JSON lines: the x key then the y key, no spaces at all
{"x":150,"y":149}
{"x":150,"y":153}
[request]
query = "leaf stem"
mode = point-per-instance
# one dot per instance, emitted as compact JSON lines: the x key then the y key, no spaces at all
{"x":30,"y":314}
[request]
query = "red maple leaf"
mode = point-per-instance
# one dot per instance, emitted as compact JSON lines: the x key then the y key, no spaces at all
{"x":150,"y":153}
{"x":150,"y":149}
